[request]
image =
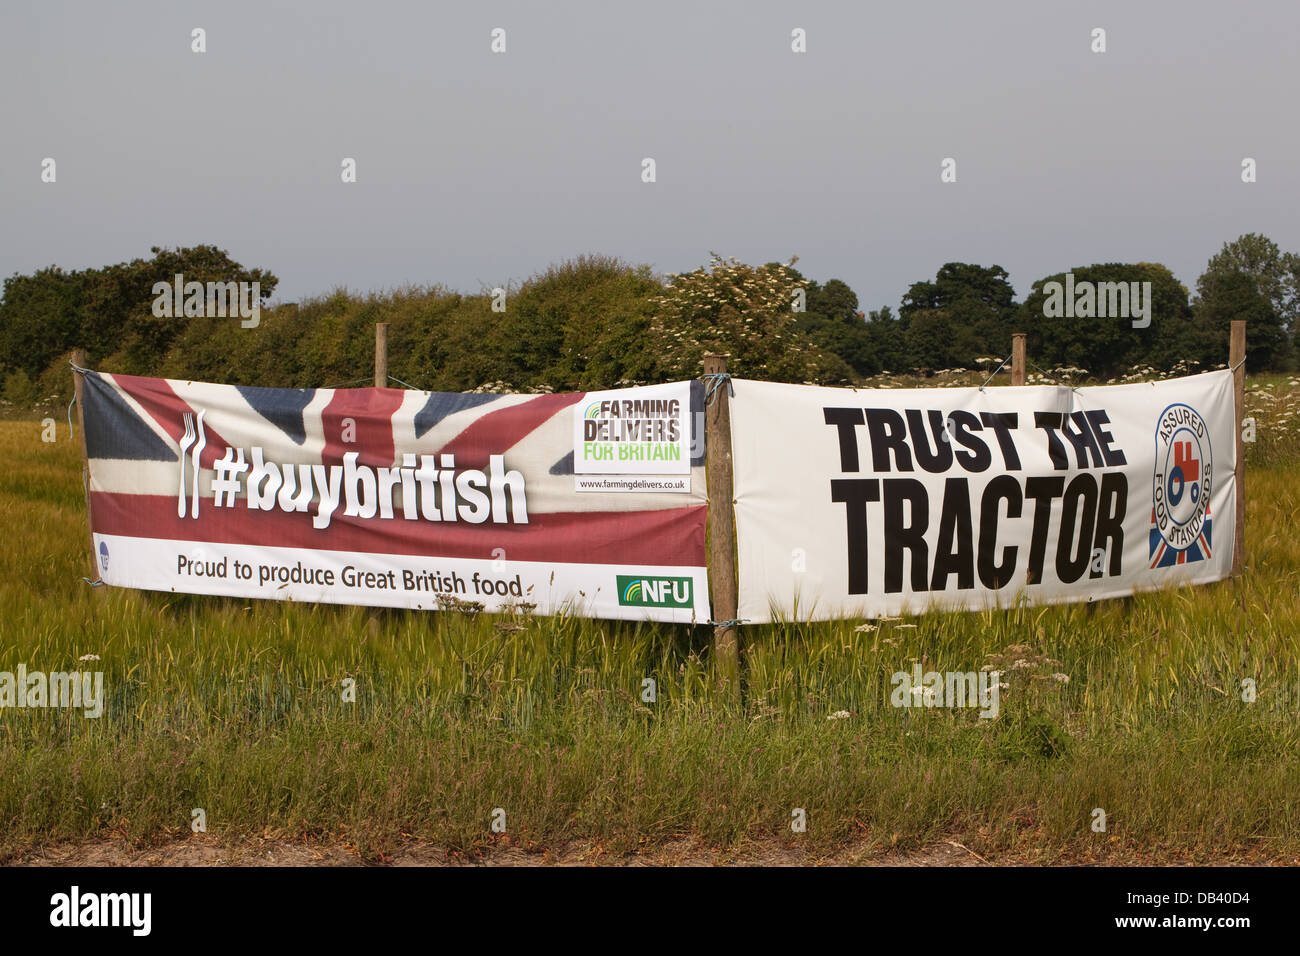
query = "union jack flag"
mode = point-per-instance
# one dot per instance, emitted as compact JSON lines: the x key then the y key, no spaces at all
{"x":154,"y":446}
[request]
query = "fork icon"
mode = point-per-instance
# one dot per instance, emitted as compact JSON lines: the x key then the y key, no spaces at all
{"x":186,"y":442}
{"x":194,"y":436}
{"x":198,"y":450}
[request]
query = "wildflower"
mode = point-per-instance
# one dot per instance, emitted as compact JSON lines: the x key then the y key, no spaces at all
{"x":839,"y":715}
{"x":88,"y":657}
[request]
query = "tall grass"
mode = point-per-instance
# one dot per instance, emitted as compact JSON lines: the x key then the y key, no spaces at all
{"x":237,"y":707}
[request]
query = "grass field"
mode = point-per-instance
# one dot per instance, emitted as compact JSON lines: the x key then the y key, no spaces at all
{"x":236,"y":707}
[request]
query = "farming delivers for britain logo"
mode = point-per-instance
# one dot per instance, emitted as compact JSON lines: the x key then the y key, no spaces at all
{"x":633,"y":431}
{"x":1180,"y":503}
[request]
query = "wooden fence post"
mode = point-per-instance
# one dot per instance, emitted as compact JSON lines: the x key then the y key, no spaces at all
{"x":381,"y":355}
{"x":722,"y":523}
{"x":1018,"y":358}
{"x":79,"y":360}
{"x":1237,"y":362}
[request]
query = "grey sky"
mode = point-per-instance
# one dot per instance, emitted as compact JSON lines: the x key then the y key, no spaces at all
{"x":476,"y":168}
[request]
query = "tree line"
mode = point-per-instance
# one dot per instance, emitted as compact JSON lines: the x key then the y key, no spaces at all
{"x":597,"y":322}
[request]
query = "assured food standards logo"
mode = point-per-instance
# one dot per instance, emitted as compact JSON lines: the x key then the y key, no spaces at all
{"x":1181,"y":487}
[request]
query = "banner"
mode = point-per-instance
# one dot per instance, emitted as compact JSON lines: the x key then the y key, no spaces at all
{"x":867,"y":503}
{"x":402,"y":498}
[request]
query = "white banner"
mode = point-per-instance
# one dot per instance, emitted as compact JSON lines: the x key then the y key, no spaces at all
{"x":632,"y":592}
{"x":865,"y":503}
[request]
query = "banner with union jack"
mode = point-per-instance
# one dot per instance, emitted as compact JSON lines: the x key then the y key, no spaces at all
{"x":590,"y":504}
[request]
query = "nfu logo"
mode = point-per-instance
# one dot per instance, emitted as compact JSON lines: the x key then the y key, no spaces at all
{"x":1181,"y":488}
{"x":635,"y":590}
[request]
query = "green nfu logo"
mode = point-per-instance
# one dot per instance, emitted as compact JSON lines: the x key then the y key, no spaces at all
{"x":635,"y":590}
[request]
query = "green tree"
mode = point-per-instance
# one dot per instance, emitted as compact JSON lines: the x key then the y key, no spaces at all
{"x":20,"y":390}
{"x":832,"y":321}
{"x":1106,"y":346}
{"x":1225,"y":296}
{"x":1276,"y":273}
{"x":967,"y":312}
{"x":581,"y":324}
{"x":40,"y":317}
{"x":118,"y":323}
{"x":1272,"y":275}
{"x":888,"y":345}
{"x":108,"y":311}
{"x":745,"y":311}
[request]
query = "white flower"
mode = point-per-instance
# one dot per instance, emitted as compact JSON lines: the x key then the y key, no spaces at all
{"x":839,"y":715}
{"x":88,"y":657}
